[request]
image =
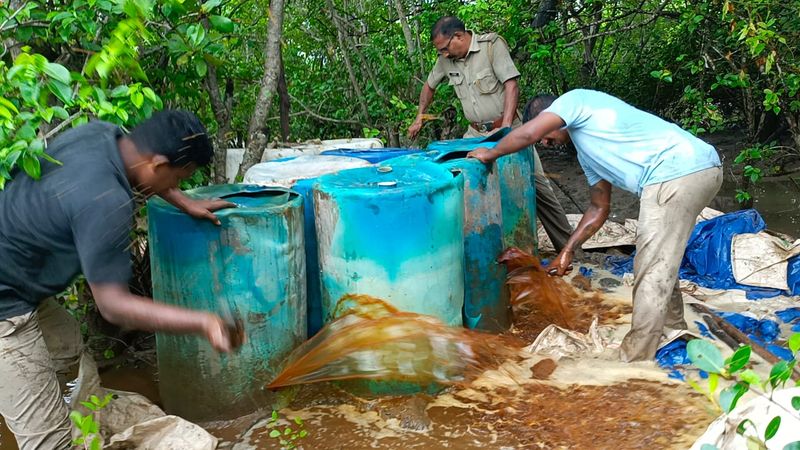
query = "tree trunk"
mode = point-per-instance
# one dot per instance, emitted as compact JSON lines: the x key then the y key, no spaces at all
{"x":222,"y":108}
{"x":410,"y":44}
{"x":257,"y":137}
{"x":346,"y":56}
{"x":283,"y":94}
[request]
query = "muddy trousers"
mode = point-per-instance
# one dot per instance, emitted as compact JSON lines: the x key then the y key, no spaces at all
{"x":34,"y":348}
{"x":548,"y":209}
{"x":667,"y":215}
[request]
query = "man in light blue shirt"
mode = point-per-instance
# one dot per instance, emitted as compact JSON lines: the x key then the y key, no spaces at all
{"x":674,"y":173}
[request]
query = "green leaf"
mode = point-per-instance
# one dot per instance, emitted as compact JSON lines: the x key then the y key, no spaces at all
{"x":75,"y":417}
{"x":731,"y":395}
{"x":274,"y":415}
{"x":739,"y":359}
{"x":120,"y":91}
{"x":772,"y":428}
{"x":792,"y":446}
{"x":49,"y":158}
{"x":303,"y":433}
{"x":287,"y":431}
{"x":796,"y":403}
{"x":137,"y":98}
{"x":196,"y":34}
{"x":713,"y":382}
{"x":32,"y":166}
{"x":742,"y":427}
{"x":298,"y":421}
{"x":122,"y":114}
{"x":47,"y":114}
{"x":61,"y":91}
{"x":211,"y":4}
{"x":57,"y":72}
{"x":60,"y":112}
{"x":149,"y":94}
{"x":274,"y":433}
{"x":222,"y":24}
{"x":779,"y":374}
{"x":794,"y":343}
{"x":26,"y":132}
{"x":5,"y":102}
{"x":200,"y":67}
{"x":705,"y":356}
{"x":750,"y":377}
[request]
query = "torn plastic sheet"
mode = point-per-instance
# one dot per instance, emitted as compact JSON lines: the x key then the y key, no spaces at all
{"x":130,"y":421}
{"x":558,"y":342}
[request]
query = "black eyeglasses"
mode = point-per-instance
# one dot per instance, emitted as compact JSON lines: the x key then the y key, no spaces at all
{"x":446,"y":48}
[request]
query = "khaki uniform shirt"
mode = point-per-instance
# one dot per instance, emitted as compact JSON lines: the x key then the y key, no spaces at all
{"x":478,"y":78}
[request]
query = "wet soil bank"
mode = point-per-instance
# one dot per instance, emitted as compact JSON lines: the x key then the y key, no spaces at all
{"x":777,"y":199}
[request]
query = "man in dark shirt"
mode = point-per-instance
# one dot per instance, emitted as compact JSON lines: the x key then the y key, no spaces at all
{"x":77,"y":219}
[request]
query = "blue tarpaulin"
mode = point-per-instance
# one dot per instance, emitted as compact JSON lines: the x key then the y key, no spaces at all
{"x":707,"y":260}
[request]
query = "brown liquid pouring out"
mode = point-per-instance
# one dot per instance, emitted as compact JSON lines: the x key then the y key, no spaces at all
{"x":372,"y":339}
{"x":533,"y":289}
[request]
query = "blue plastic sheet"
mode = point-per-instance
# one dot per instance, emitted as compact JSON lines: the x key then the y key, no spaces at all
{"x":672,"y":355}
{"x":619,"y":265}
{"x":761,"y":331}
{"x":781,"y":352}
{"x":585,"y":271}
{"x":704,"y":330}
{"x":707,"y":260}
{"x":788,"y":315}
{"x":674,"y":358}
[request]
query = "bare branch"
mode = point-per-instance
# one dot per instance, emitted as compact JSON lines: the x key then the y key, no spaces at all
{"x":319,"y":117}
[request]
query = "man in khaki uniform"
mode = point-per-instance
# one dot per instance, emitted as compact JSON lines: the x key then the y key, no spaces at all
{"x":480,"y":69}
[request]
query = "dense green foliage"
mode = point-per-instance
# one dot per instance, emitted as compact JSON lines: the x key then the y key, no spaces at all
{"x":355,"y":67}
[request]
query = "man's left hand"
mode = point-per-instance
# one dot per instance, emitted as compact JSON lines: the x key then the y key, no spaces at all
{"x":204,"y":209}
{"x":483,"y":155}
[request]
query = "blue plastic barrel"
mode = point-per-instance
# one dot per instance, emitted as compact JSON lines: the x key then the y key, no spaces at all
{"x":300,"y":173}
{"x":394,"y":233}
{"x":517,"y":188}
{"x":251,"y":267}
{"x":486,"y":300}
{"x":373,"y":155}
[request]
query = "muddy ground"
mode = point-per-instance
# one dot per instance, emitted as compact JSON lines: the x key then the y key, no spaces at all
{"x":636,"y":414}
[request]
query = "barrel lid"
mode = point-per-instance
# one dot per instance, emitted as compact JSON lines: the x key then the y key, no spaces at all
{"x":247,"y":198}
{"x":421,"y":175}
{"x":287,"y":172}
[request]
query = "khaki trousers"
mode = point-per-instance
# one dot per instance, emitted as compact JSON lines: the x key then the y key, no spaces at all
{"x":34,"y":348}
{"x":667,"y":215}
{"x":548,"y":209}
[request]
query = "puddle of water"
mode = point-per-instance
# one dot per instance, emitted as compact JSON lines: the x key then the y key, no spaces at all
{"x":778,"y":202}
{"x":7,"y":441}
{"x":132,"y":379}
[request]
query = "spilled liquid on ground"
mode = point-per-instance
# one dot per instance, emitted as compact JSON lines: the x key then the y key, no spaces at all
{"x":497,"y":396}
